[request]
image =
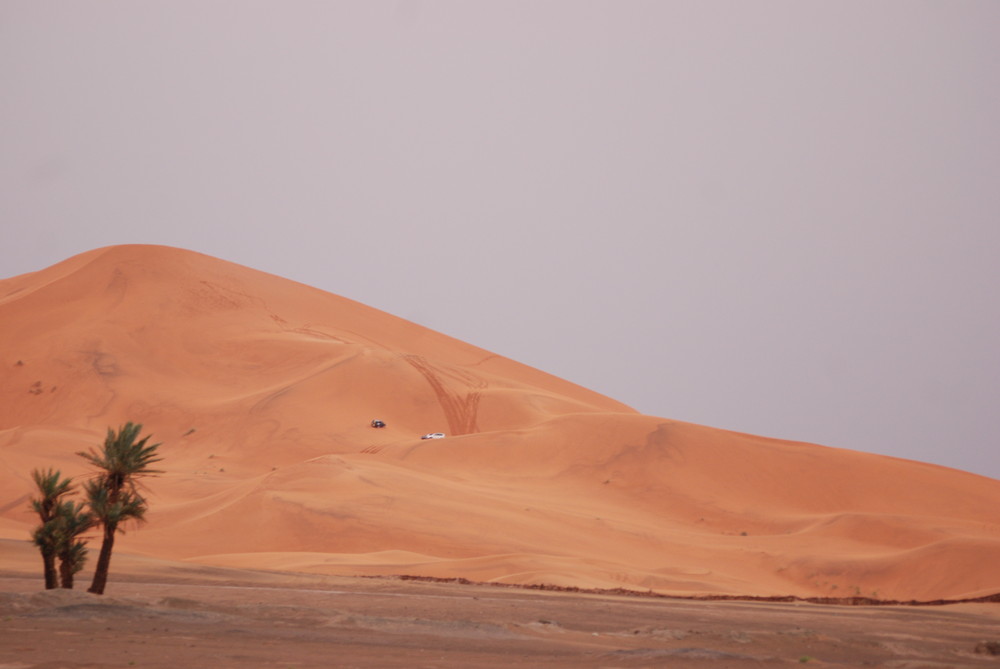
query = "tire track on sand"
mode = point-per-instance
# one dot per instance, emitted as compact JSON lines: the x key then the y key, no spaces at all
{"x":460,"y":408}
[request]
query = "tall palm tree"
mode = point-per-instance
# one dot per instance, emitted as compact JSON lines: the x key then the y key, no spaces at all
{"x":113,"y":494}
{"x":71,"y":522}
{"x":51,"y":489}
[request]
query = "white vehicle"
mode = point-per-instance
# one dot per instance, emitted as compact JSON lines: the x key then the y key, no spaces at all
{"x":433,"y":435}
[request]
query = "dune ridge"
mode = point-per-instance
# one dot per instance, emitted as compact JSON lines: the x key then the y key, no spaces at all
{"x":262,"y":390}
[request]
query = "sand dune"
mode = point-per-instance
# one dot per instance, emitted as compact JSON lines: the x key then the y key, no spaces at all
{"x":262,"y":389}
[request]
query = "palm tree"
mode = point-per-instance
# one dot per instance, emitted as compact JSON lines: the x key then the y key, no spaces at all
{"x":44,"y":537}
{"x":71,"y":522}
{"x":51,"y":488}
{"x":113,"y":495}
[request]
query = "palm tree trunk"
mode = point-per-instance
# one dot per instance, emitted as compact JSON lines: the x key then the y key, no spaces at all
{"x":51,"y":577}
{"x":103,"y":561}
{"x":66,"y":573}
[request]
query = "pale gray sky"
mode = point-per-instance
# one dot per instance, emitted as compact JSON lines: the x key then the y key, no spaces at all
{"x":772,"y":217}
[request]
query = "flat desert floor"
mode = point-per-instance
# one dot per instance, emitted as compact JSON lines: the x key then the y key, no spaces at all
{"x":168,"y":615}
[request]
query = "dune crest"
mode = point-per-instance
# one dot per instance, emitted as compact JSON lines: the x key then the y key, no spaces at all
{"x":262,"y":391}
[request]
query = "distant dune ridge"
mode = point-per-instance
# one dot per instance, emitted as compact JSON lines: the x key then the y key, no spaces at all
{"x":262,"y":391}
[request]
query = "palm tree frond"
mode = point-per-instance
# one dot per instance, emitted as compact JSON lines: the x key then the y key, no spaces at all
{"x":52,"y":487}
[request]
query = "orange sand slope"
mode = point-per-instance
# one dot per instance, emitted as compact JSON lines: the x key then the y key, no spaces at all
{"x":262,"y":390}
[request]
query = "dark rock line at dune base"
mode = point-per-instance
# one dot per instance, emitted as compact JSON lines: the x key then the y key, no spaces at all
{"x":625,"y":592}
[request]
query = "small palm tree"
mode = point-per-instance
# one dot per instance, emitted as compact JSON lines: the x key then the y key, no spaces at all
{"x":44,"y":536}
{"x":71,"y":522}
{"x":51,"y":489}
{"x":113,"y":494}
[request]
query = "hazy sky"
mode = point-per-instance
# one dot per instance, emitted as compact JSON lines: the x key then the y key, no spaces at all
{"x":773,"y":217}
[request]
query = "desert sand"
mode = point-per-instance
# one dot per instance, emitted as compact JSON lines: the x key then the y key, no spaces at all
{"x":261,"y":391}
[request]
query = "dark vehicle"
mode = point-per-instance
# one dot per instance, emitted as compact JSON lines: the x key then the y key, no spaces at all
{"x":377,"y":423}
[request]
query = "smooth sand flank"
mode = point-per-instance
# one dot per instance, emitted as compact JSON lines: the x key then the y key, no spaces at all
{"x":262,"y":391}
